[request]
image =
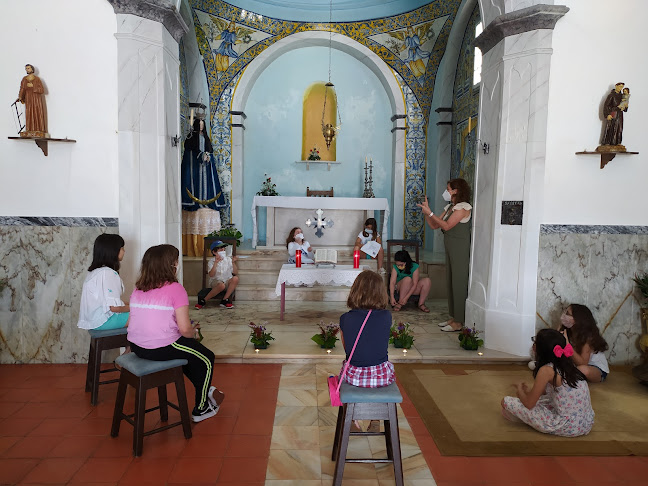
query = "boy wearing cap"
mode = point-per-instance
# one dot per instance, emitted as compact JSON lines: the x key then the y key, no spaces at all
{"x":221,"y":273}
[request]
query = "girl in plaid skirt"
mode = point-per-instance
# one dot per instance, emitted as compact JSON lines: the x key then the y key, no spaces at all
{"x":369,"y":366}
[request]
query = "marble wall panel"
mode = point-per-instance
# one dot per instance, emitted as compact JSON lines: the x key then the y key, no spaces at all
{"x":45,"y":267}
{"x":594,"y":266}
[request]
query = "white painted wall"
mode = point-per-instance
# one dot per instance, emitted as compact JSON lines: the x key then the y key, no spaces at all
{"x":72,"y":45}
{"x":590,"y":54}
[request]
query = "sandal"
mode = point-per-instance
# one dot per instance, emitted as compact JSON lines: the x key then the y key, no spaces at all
{"x":423,"y":308}
{"x":397,"y":307}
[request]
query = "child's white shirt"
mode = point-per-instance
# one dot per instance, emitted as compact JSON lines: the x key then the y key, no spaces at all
{"x":102,"y":289}
{"x":364,"y":239}
{"x":293,"y":247}
{"x":224,"y":270}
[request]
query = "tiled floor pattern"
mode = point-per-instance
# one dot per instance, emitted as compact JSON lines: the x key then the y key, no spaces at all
{"x":275,"y":428}
{"x":227,"y":333}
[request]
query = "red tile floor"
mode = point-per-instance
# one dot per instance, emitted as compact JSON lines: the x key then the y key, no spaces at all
{"x":49,"y":434}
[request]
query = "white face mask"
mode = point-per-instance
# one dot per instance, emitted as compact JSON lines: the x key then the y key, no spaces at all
{"x":299,"y":236}
{"x":221,"y":254}
{"x":446,"y":196}
{"x":567,"y":321}
{"x":368,"y":231}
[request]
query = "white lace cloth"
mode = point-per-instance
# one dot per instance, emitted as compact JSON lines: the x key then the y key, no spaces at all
{"x":310,"y":275}
{"x":200,"y":222}
{"x":355,"y":203}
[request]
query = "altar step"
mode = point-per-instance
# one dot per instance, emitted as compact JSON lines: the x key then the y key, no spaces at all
{"x":259,"y":269}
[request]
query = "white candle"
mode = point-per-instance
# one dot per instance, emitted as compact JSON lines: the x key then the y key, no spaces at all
{"x":191,"y":117}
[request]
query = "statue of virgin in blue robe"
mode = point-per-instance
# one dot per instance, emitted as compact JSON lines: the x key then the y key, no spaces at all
{"x":200,"y":185}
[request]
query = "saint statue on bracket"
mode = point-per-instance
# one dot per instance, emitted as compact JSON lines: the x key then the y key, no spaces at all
{"x":31,"y":95}
{"x":615,"y":105}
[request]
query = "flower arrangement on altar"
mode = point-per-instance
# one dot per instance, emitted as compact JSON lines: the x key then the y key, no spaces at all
{"x":268,"y":188}
{"x":469,"y":339}
{"x":314,"y":154}
{"x":260,"y":336}
{"x":401,"y":336}
{"x":327,"y":336}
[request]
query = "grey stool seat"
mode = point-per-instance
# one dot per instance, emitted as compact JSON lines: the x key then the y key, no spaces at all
{"x":100,"y":341}
{"x":141,"y":367}
{"x":143,"y":374}
{"x":367,"y":404}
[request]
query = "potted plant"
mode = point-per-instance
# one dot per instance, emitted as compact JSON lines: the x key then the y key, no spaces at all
{"x":314,"y":154}
{"x":327,"y":336}
{"x":259,"y":336}
{"x":401,"y":336}
{"x":228,"y":232}
{"x":268,"y":188}
{"x":469,"y":339}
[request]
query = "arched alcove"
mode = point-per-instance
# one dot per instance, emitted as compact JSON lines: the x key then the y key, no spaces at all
{"x":348,"y":46}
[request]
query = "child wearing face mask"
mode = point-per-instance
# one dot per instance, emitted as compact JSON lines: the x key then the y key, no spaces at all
{"x":221,"y":273}
{"x":370,"y":233}
{"x":579,"y":326}
{"x":296,"y":242}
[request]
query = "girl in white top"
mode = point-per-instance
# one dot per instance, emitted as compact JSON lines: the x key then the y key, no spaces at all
{"x":295,"y":242}
{"x":370,"y":233}
{"x":101,"y":304}
{"x":579,"y":326}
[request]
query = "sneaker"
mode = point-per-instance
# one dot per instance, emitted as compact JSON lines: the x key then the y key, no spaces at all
{"x":215,"y":396}
{"x":382,"y":271}
{"x":201,"y":303}
{"x":200,"y":415}
{"x":198,"y":306}
{"x":227,"y":304}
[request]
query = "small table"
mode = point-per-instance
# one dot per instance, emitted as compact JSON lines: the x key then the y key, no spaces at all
{"x":310,"y":274}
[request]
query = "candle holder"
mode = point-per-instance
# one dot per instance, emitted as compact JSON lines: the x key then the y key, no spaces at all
{"x":368,"y":182}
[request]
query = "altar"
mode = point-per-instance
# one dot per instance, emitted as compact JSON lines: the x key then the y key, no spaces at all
{"x":348,"y":215}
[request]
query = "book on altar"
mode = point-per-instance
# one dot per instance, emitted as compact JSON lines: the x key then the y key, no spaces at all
{"x":371,"y":248}
{"x":322,"y":255}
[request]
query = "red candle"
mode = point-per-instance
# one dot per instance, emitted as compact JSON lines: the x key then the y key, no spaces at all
{"x":356,"y":258}
{"x":298,"y":258}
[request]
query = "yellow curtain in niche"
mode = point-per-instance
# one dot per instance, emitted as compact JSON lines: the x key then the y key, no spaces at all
{"x":312,"y":120}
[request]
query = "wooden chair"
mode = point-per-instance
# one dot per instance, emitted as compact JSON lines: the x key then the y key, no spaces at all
{"x":310,"y":193}
{"x":404,"y":244}
{"x":208,"y":241}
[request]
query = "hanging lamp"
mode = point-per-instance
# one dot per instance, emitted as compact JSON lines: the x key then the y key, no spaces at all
{"x":328,"y":129}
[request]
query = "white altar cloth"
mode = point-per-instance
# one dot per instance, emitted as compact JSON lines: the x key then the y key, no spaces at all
{"x":309,"y":274}
{"x":354,"y":203}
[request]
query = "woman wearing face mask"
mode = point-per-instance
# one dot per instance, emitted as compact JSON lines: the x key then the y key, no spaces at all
{"x":579,"y":326}
{"x":296,"y":242}
{"x":370,"y":233}
{"x":453,"y":222}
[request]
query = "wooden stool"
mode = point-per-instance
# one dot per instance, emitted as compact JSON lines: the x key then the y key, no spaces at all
{"x":143,"y":374}
{"x":101,"y":341}
{"x":367,"y":404}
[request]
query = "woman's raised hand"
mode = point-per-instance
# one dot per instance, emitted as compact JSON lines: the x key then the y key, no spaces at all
{"x":425,"y":207}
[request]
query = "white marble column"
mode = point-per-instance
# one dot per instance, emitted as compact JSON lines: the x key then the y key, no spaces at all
{"x":149,"y":165}
{"x":399,"y":133}
{"x":513,"y":121}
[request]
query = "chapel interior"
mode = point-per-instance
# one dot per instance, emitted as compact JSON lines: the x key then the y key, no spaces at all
{"x":321,"y":114}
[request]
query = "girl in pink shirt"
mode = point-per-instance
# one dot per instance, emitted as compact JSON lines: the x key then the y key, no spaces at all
{"x":159,"y":328}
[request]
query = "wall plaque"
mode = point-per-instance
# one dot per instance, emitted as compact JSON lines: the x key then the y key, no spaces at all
{"x":512,"y":212}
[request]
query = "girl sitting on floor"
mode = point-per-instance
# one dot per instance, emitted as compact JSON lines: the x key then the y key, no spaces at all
{"x":559,"y":401}
{"x":295,"y":242}
{"x":405,"y":281}
{"x":584,"y":336}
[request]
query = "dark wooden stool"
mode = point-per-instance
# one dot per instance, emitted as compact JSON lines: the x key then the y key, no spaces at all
{"x":101,"y":341}
{"x":143,"y":374}
{"x":367,"y":404}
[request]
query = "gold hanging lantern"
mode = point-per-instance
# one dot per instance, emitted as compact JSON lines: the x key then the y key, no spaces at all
{"x":328,"y":129}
